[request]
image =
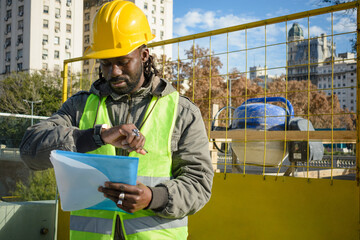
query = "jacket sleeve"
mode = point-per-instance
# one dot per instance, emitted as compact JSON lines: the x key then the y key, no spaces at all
{"x":192,"y":169}
{"x":59,"y":132}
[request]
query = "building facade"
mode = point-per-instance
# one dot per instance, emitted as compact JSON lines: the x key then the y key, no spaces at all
{"x":340,"y":79}
{"x":158,"y":12}
{"x":298,"y":54}
{"x":39,"y":35}
{"x":331,"y":73}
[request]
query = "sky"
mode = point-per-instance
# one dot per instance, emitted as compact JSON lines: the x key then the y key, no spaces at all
{"x":197,"y":16}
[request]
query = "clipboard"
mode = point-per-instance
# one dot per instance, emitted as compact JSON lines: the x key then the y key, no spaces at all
{"x":78,"y":176}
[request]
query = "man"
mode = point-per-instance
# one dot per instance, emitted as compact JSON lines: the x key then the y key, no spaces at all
{"x":130,"y":111}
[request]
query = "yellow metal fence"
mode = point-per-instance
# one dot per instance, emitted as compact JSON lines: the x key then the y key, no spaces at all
{"x":272,"y":198}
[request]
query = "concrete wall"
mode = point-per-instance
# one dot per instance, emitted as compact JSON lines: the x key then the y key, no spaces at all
{"x":27,"y":220}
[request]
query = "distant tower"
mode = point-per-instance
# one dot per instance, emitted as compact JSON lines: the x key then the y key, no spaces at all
{"x":296,"y":34}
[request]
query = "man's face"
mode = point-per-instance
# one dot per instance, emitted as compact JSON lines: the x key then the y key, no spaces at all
{"x":125,"y":73}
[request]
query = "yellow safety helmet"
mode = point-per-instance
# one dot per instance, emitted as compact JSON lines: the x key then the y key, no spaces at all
{"x":119,"y":27}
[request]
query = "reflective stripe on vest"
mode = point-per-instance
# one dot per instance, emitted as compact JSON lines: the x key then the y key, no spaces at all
{"x":154,"y":168}
{"x":91,"y":224}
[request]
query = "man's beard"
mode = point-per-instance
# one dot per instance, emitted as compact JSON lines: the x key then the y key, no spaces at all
{"x":130,"y":84}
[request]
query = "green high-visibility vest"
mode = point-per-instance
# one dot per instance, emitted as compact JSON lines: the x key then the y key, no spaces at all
{"x":154,"y":168}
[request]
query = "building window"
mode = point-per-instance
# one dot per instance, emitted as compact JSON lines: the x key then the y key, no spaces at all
{"x":86,"y":38}
{"x":46,"y":23}
{"x":57,"y":26}
{"x":87,"y":27}
{"x":8,"y":15}
{"x":161,"y":35}
{"x":20,"y":25}
{"x":45,"y":39}
{"x":57,"y":12}
{"x":7,"y":57}
{"x":153,"y":11}
{"x":153,"y":31}
{"x":21,"y":11}
{"x":162,"y":10}
{"x":19,"y":40}
{"x":7,"y":42}
{"x":162,"y":22}
{"x":56,"y":54}
{"x":161,"y":1}
{"x":9,"y":2}
{"x":57,"y":40}
{"x":145,"y":6}
{"x":19,"y":54}
{"x":68,"y":3}
{"x":153,"y":20}
{"x":8,"y":28}
{"x":46,"y":9}
{"x":7,"y":69}
{"x":68,"y":28}
{"x":44,"y":54}
{"x":44,"y":66}
{"x":68,"y":43}
{"x":86,"y":62}
{"x":68,"y":14}
{"x":87,"y":16}
{"x":68,"y":55}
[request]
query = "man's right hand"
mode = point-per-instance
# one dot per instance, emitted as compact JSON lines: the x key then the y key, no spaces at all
{"x":125,"y":136}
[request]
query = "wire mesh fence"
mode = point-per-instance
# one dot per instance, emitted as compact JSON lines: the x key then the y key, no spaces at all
{"x":277,"y":96}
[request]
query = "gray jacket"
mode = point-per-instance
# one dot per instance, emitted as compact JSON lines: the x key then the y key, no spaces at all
{"x":186,"y":193}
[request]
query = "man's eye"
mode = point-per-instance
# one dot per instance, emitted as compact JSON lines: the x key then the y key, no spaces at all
{"x":122,"y":63}
{"x":105,"y":64}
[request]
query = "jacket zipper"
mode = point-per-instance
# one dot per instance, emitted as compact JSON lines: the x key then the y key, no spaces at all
{"x":129,"y":110}
{"x":123,"y":151}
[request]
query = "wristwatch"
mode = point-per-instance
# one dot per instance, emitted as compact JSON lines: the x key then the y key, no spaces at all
{"x":97,"y":134}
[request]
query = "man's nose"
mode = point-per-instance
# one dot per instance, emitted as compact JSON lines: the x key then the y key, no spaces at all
{"x":116,"y":70}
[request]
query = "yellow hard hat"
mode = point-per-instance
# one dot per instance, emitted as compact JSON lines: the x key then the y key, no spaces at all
{"x":119,"y":27}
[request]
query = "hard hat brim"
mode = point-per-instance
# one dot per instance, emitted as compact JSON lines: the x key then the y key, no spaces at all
{"x":112,"y":53}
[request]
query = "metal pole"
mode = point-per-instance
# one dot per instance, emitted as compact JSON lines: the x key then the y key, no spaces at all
{"x":32,"y":113}
{"x":32,"y":109}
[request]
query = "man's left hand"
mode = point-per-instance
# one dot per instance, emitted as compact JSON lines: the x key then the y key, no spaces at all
{"x":132,"y":198}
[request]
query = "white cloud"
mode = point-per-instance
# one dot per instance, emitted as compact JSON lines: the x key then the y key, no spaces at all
{"x":345,"y":25}
{"x":280,"y":12}
{"x":196,"y":21}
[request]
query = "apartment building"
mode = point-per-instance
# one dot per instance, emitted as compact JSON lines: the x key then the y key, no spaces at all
{"x":40,"y":34}
{"x":159,"y":14}
{"x":340,"y":79}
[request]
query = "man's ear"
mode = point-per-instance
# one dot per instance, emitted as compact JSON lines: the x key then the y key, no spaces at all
{"x":144,"y":54}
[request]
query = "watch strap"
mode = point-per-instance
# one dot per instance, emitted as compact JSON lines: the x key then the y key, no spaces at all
{"x":97,"y":135}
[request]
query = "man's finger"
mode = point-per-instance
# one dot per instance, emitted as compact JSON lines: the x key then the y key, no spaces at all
{"x":122,"y":187}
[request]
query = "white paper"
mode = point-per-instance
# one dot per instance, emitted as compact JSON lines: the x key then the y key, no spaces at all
{"x":77,"y":183}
